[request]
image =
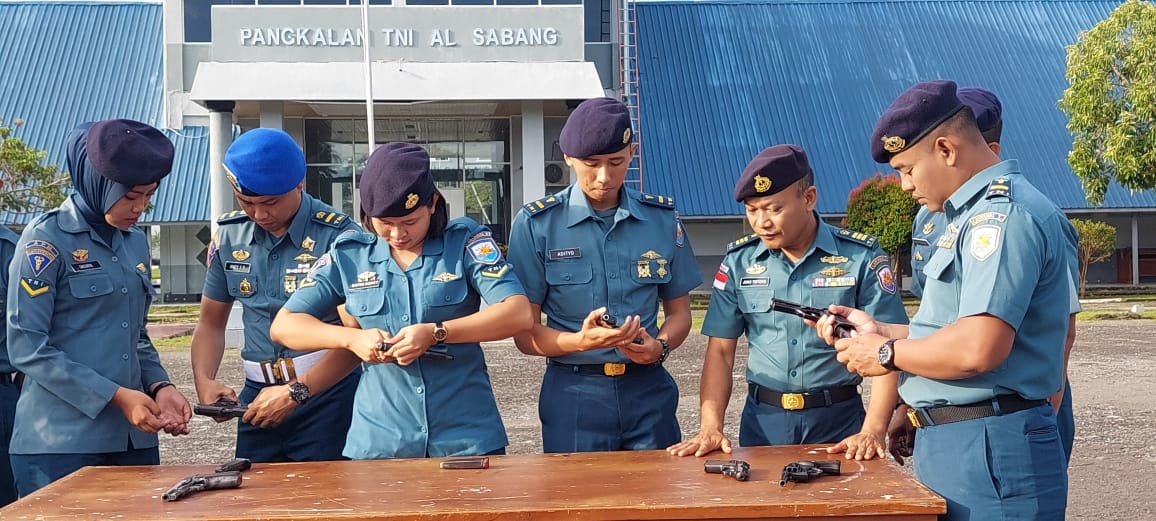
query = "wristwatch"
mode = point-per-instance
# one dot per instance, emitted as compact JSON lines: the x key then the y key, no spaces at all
{"x":299,"y":392}
{"x":665,"y":350}
{"x":440,"y":333}
{"x":887,"y":354}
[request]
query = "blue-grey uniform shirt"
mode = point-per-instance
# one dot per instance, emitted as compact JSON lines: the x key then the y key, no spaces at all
{"x":571,"y":265}
{"x":924,"y":232}
{"x":786,"y":355}
{"x":261,"y":271}
{"x":77,"y":308}
{"x":1001,"y":253}
{"x":8,"y":240}
{"x":431,"y":407}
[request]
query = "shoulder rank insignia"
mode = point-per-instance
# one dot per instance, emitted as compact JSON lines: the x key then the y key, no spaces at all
{"x":232,"y":217}
{"x":536,"y":207}
{"x":999,"y":187}
{"x":859,"y":237}
{"x":656,"y":200}
{"x":333,"y":219}
{"x":741,"y":241}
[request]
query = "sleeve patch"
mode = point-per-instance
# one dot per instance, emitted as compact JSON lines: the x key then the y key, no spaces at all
{"x":212,"y":251}
{"x":34,"y":287}
{"x":41,"y":254}
{"x":886,"y":279}
{"x":720,"y":278}
{"x":496,"y":271}
{"x":984,"y":241}
{"x":876,"y":262}
{"x":485,"y":251}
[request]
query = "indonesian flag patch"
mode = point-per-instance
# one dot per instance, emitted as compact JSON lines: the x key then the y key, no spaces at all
{"x":720,"y":278}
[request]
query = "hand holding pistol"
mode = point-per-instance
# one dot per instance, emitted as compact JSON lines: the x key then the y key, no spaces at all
{"x":843,"y":327}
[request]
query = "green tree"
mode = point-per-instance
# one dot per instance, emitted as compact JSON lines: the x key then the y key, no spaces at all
{"x":880,"y":207}
{"x":29,"y":184}
{"x":1097,"y":242}
{"x":1111,"y":101}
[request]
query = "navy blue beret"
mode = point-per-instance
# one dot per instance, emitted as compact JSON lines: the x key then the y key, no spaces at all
{"x":264,"y":162}
{"x":396,"y":180}
{"x":129,"y":152}
{"x":914,"y":114}
{"x":772,"y":171}
{"x":598,"y":126}
{"x":986,"y":107}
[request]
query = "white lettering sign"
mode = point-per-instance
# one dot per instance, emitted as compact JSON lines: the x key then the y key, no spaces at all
{"x":395,"y":37}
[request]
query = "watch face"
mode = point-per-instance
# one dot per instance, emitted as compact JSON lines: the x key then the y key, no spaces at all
{"x":299,"y":392}
{"x":885,"y":355}
{"x":440,"y":333}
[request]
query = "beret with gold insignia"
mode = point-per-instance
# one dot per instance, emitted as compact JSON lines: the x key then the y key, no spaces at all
{"x":914,"y":114}
{"x":598,"y":126}
{"x":396,"y":181}
{"x":774,"y":169}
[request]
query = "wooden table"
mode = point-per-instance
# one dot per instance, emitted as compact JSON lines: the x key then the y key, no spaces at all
{"x":649,"y":485}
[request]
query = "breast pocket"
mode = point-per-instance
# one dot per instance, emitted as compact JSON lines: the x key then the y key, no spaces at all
{"x":940,"y":295}
{"x":242,"y":285}
{"x":755,"y":300}
{"x":650,"y":266}
{"x":569,"y":283}
{"x":366,"y":302}
{"x":86,"y":309}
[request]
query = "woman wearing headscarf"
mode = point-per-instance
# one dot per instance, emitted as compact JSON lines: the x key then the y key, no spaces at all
{"x":94,"y":391}
{"x":413,"y":285}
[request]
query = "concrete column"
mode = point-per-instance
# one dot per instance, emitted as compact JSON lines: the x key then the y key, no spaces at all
{"x":515,"y":191}
{"x":533,"y":151}
{"x":272,"y":114}
{"x":220,"y":137}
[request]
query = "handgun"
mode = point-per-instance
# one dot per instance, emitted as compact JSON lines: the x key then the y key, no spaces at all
{"x":428,"y":355}
{"x":738,"y":469}
{"x":222,"y":408}
{"x":843,"y":327}
{"x":608,"y":320}
{"x":201,"y":482}
{"x":804,"y":471}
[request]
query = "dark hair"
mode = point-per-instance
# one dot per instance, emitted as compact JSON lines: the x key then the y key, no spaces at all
{"x":805,"y":182}
{"x":437,"y":222}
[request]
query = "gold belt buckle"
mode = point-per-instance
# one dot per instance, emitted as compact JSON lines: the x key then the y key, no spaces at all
{"x":914,"y":418}
{"x":610,"y":369}
{"x":288,"y":372}
{"x":792,"y":401}
{"x":271,"y":371}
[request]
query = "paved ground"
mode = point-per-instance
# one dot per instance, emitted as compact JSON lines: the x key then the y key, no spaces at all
{"x":1113,"y":470}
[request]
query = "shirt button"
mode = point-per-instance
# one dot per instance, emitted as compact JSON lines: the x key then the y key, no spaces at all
{"x":363,"y":307}
{"x":794,"y":374}
{"x":124,"y":325}
{"x":124,"y":357}
{"x":566,"y":277}
{"x":405,"y":317}
{"x":419,"y":390}
{"x":613,"y":275}
{"x":273,"y":256}
{"x":794,"y":341}
{"x":272,"y":293}
{"x":114,"y":259}
{"x":92,"y":288}
{"x":124,"y":290}
{"x":423,"y":428}
{"x":448,"y":298}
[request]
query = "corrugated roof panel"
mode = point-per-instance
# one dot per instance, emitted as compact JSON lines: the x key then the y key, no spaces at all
{"x":720,"y":81}
{"x":69,"y":62}
{"x":184,"y":195}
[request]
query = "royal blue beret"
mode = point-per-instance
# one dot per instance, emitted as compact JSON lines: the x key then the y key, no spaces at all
{"x":987,"y":109}
{"x":914,"y":114}
{"x":396,"y":180}
{"x":598,"y":126}
{"x":129,"y":152}
{"x":264,"y":162}
{"x":772,"y":171}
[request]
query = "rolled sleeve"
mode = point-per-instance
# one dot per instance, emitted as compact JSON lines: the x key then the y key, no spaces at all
{"x":526,"y":260}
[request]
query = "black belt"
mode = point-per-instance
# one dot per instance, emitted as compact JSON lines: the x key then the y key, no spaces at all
{"x":1002,"y":404}
{"x":808,"y":400}
{"x":607,"y":369}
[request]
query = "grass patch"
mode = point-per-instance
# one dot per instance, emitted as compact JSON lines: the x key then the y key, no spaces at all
{"x":174,"y":314}
{"x":176,"y":343}
{"x":1115,"y":315}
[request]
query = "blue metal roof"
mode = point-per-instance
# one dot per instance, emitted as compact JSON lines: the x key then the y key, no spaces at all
{"x":721,"y":80}
{"x":69,"y":62}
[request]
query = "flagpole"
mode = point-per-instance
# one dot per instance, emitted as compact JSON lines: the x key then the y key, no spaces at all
{"x":366,"y":41}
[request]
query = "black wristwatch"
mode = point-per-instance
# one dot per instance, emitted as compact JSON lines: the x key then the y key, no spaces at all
{"x":665,"y":350}
{"x":156,"y":388}
{"x":299,"y":392}
{"x":887,"y":354}
{"x":440,"y":333}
